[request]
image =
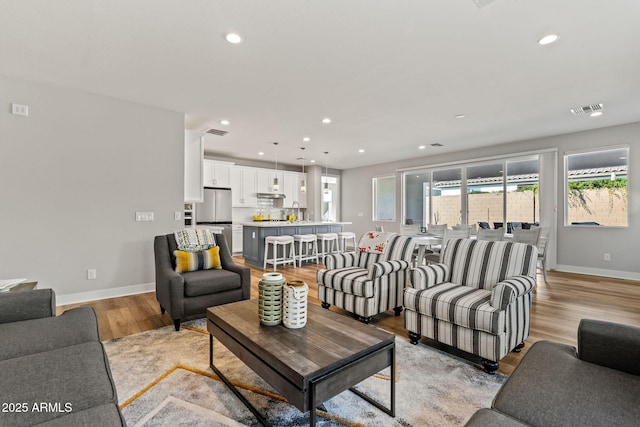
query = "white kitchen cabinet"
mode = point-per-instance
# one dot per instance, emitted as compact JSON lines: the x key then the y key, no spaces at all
{"x":193,"y":154}
{"x":237,"y":238}
{"x":243,"y":187}
{"x":216,"y":174}
{"x":289,"y":189}
{"x":263,"y":183}
{"x":292,"y":183}
{"x":264,"y":180}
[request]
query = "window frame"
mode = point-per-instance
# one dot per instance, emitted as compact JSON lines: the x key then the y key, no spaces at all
{"x":374,"y":197}
{"x":566,"y":154}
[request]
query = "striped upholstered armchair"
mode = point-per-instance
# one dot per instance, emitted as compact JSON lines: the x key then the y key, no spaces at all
{"x":477,"y":299}
{"x":370,"y":280}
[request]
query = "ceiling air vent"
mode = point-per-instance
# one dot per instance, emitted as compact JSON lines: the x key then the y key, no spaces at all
{"x":483,"y":3}
{"x":217,"y":132}
{"x":587,"y":109}
{"x":436,"y":144}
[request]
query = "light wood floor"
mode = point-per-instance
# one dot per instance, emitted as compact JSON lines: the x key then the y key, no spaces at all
{"x":557,"y":308}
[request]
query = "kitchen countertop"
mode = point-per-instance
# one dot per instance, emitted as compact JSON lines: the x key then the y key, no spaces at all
{"x":289,"y":224}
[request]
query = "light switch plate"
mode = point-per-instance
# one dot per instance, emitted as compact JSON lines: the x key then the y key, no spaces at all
{"x":144,"y":216}
{"x":20,"y":110}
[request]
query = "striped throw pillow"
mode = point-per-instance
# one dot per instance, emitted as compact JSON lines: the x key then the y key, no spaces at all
{"x":192,"y":240}
{"x":203,"y":260}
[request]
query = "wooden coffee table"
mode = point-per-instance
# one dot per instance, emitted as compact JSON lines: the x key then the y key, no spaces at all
{"x":308,"y":366}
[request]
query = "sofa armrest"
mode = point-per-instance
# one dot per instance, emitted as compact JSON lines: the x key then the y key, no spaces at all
{"x":507,"y":291}
{"x":343,"y":260}
{"x":226,"y":259}
{"x":35,"y":304}
{"x":383,"y":268}
{"x":609,"y":344}
{"x":426,"y":276}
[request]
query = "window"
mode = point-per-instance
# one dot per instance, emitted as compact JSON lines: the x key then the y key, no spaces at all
{"x":596,"y":187}
{"x":496,"y":193}
{"x":485,"y":188}
{"x":384,"y":198}
{"x":523,"y":195}
{"x":446,"y":203}
{"x":330,"y":197}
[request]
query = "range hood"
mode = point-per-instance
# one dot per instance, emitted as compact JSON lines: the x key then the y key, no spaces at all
{"x":270,"y":196}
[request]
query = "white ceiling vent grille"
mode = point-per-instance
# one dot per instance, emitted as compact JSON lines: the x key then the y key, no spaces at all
{"x":587,"y":109}
{"x":217,"y":132}
{"x":483,"y":3}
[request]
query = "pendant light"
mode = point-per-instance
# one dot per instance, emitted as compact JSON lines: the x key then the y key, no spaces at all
{"x":276,"y":187}
{"x":326,"y":173}
{"x":303,"y":187}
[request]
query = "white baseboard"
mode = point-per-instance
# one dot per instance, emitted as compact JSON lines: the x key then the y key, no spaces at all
{"x":104,"y":294}
{"x":629,"y":275}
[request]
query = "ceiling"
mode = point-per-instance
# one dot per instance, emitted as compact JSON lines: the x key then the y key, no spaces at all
{"x":392,"y":75}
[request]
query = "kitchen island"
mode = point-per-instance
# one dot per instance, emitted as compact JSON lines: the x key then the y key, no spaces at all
{"x":253,"y":234}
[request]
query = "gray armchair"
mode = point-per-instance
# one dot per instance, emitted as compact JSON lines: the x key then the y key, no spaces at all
{"x":189,"y":294}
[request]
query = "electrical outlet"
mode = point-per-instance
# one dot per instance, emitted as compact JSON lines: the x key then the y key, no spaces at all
{"x":607,"y":256}
{"x":91,"y":274}
{"x":177,"y":215}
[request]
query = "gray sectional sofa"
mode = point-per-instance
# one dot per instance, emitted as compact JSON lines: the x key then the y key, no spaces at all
{"x":555,"y":385}
{"x":53,"y":369}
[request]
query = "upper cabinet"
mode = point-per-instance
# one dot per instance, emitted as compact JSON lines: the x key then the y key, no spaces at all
{"x":292,"y":183}
{"x":216,"y":174}
{"x":245,"y":182}
{"x":193,"y":152}
{"x":243,"y":187}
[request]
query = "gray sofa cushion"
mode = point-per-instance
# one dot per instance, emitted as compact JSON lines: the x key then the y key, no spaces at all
{"x":207,"y":282}
{"x":103,"y":416}
{"x":73,"y":327}
{"x":490,"y":418}
{"x":78,"y":375}
{"x":552,"y":387}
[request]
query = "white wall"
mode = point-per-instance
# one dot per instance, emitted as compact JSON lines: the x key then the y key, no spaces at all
{"x":73,"y":175}
{"x":578,"y":249}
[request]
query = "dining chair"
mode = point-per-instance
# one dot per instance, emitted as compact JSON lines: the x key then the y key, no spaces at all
{"x":409,"y":229}
{"x":543,"y":243}
{"x":437,"y":229}
{"x":436,"y":257}
{"x":491,"y":235}
{"x":530,"y":236}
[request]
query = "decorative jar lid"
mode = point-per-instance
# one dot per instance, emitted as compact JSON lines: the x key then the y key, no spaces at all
{"x":272,"y":277}
{"x":296,"y":283}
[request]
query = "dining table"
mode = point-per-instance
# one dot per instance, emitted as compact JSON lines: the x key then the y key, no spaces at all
{"x":425,"y":241}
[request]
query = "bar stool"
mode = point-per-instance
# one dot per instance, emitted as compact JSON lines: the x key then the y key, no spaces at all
{"x":276,"y":241}
{"x":329,"y":242}
{"x":343,"y":236}
{"x":306,"y":241}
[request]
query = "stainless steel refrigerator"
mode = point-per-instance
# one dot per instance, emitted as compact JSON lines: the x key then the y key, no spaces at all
{"x":216,"y":210}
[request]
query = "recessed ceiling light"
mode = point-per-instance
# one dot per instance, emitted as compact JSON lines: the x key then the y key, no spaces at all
{"x":224,"y":122}
{"x":548,"y":39}
{"x":460,"y":116}
{"x":326,"y":120}
{"x":361,"y":150}
{"x":312,"y":161}
{"x":422,"y":147}
{"x":260,"y":153}
{"x":596,"y":113}
{"x":306,"y":139}
{"x":233,"y":38}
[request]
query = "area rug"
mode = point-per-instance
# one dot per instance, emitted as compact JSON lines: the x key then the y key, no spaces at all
{"x":163,"y":379}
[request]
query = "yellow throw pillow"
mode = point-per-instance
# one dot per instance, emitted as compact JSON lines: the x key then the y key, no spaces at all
{"x":203,"y":260}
